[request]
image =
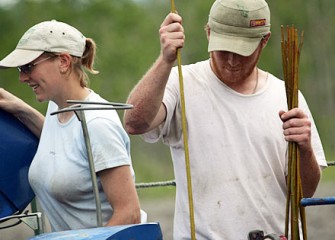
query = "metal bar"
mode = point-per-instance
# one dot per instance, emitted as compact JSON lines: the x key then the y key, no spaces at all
{"x":80,"y":108}
{"x":126,"y":105}
{"x":82,"y":119}
{"x":317,"y":201}
{"x":41,"y":225}
{"x":32,"y":220}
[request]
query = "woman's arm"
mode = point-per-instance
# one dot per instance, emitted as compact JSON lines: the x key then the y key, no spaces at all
{"x":29,"y":116}
{"x":120,"y":190}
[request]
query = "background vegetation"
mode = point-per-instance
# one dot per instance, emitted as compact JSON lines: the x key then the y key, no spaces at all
{"x":126,"y":32}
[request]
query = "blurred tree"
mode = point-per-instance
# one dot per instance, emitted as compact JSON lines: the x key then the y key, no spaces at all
{"x":126,"y":33}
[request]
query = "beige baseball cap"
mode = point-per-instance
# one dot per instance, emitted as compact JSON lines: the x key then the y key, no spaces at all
{"x":238,"y":25}
{"x":48,"y":36}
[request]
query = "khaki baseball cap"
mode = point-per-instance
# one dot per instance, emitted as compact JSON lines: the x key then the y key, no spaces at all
{"x":48,"y":36}
{"x":238,"y":25}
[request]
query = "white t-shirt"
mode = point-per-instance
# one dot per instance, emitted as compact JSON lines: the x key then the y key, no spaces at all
{"x":59,"y":173}
{"x":238,"y":155}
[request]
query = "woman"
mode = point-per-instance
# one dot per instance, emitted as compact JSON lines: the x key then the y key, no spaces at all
{"x":52,"y":58}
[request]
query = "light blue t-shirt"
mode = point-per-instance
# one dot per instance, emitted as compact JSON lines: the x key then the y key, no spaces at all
{"x":59,"y":173}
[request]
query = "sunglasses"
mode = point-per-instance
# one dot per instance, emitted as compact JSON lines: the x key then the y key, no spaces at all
{"x":28,"y":68}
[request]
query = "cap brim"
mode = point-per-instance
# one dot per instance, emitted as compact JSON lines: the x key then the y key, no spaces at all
{"x":239,"y":45}
{"x":19,"y":57}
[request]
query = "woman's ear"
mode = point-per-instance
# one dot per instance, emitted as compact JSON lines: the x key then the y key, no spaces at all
{"x":65,"y":62}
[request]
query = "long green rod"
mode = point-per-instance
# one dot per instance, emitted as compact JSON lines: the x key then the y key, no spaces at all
{"x":185,"y":138}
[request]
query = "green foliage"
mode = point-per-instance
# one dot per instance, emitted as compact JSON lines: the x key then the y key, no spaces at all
{"x":328,"y":174}
{"x":126,"y":33}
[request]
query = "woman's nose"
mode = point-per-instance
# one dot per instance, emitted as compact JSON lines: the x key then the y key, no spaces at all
{"x":23,"y":77}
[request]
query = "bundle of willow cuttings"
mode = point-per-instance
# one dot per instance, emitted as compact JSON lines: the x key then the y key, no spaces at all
{"x":291,"y":49}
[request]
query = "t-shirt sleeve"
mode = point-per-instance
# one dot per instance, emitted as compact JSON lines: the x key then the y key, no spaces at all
{"x":110,"y":144}
{"x":171,"y":129}
{"x":316,"y":141}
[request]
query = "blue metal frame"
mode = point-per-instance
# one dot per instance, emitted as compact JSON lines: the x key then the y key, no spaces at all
{"x":317,"y":201}
{"x":147,"y":231}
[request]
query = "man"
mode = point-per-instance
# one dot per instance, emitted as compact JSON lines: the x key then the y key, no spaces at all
{"x":237,"y":122}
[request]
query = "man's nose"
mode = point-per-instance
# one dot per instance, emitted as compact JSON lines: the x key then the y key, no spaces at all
{"x":232,"y":59}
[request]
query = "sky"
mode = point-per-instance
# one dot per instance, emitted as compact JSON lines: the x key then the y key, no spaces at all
{"x":6,"y":3}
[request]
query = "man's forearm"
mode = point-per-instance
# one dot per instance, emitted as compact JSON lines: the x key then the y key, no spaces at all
{"x":147,"y":99}
{"x":310,"y":173}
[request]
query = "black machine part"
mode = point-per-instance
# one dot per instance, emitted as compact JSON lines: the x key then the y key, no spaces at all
{"x":256,"y":235}
{"x":259,"y":235}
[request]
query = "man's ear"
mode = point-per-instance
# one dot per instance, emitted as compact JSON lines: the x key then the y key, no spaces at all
{"x":208,"y":31}
{"x":266,"y":39}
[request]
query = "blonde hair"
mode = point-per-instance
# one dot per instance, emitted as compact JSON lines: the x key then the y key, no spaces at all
{"x":85,"y":62}
{"x":82,"y":64}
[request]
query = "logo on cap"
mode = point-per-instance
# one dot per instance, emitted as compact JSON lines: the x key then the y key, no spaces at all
{"x":257,"y":22}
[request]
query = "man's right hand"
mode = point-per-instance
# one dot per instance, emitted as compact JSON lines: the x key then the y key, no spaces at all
{"x":171,"y":37}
